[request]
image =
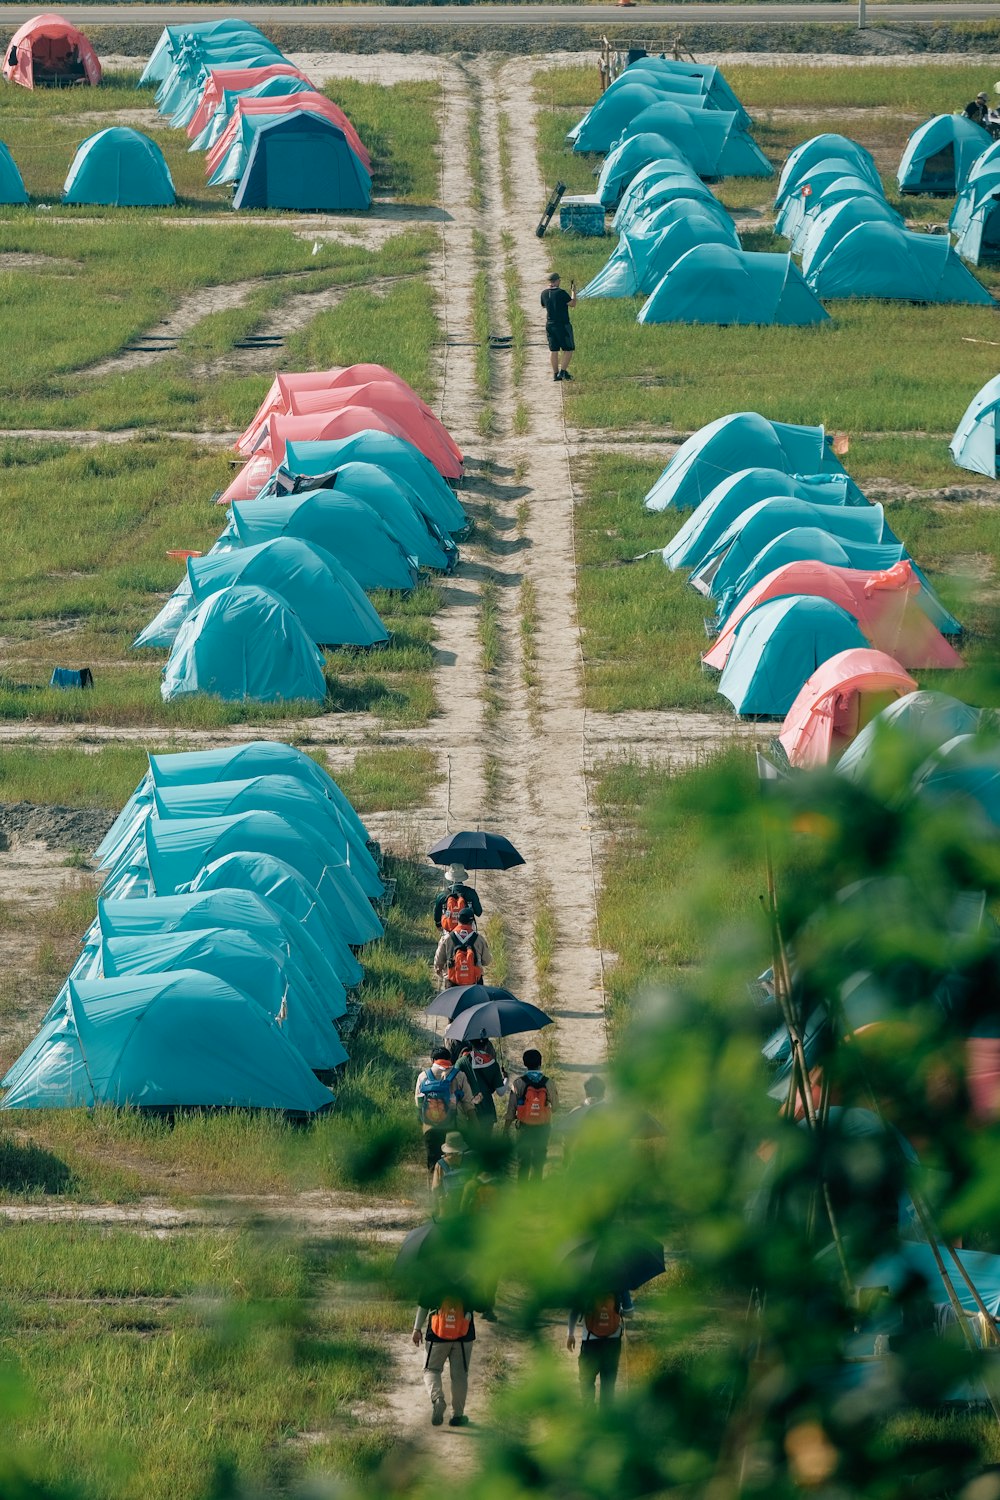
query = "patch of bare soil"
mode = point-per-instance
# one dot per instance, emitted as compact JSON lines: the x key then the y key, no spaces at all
{"x":55,"y":828}
{"x":23,"y":260}
{"x":161,"y":339}
{"x":83,"y":438}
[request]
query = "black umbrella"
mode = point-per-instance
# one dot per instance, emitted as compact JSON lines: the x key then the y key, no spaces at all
{"x":436,"y":1259}
{"x":476,"y":851}
{"x":463,"y":996}
{"x":618,"y":1260}
{"x":496,"y":1018}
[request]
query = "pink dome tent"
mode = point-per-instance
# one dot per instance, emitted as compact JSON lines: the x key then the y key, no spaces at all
{"x":256,"y":472}
{"x":48,"y":50}
{"x":886,"y":606}
{"x":312,"y":103}
{"x":837,"y":701}
{"x":234,"y":79}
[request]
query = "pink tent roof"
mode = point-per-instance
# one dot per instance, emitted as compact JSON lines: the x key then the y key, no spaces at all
{"x":281,"y":429}
{"x":288,"y":386}
{"x":886,"y":606}
{"x":51,"y":42}
{"x":421,"y":426}
{"x":837,"y":701}
{"x":311,"y":102}
{"x":220,"y":79}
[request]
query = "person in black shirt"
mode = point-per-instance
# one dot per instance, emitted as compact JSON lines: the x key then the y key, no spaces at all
{"x":558,"y":328}
{"x":978,"y":109}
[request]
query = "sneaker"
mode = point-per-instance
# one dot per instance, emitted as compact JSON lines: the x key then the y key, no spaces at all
{"x":437,"y":1414}
{"x":565,"y":375}
{"x":458,"y":1421}
{"x":557,"y":376}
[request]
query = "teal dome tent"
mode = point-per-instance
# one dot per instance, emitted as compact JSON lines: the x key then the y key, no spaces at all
{"x":778,"y":646}
{"x":244,"y":645}
{"x":717,"y":283}
{"x":12,"y":189}
{"x":348,"y":528}
{"x":119,"y":168}
{"x":976,"y":444}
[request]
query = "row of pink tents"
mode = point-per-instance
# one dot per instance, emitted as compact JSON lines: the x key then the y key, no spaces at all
{"x":326,"y":405}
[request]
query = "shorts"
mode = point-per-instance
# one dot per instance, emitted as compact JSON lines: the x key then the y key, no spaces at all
{"x":560,"y":339}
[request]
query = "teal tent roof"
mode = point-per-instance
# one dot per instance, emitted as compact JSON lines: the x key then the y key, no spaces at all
{"x":652,"y":244}
{"x":311,"y":460}
{"x":230,"y":168}
{"x":279,"y":86}
{"x":303,"y":162}
{"x":399,"y":509}
{"x":178,"y":848}
{"x":12,"y":189}
{"x":332,"y":606}
{"x":842,"y":190}
{"x":248,"y":963}
{"x":166,"y":1041}
{"x":731,"y":443}
{"x":826,"y":182}
{"x":173,"y":38}
{"x":718,"y":283}
{"x":778,"y":646}
{"x":244,"y":645}
{"x":745,"y":537}
{"x":975,"y":219}
{"x":121,"y":168}
{"x":190,"y":69}
{"x":714,"y":143}
{"x":800,"y":543}
{"x":939,"y":154}
{"x":658,"y":183}
{"x":828,"y":227}
{"x":823,"y":147}
{"x":347,"y":527}
{"x":627,"y":160}
{"x":618,"y":106}
{"x":964,"y":773}
{"x":285,"y":888}
{"x":924,"y":717}
{"x":667,"y":71}
{"x":882,"y":260}
{"x":977,"y":439}
{"x":233,"y":908}
{"x":733,"y":496}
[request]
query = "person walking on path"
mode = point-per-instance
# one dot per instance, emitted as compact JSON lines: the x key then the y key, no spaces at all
{"x":600,"y":1346}
{"x":457,"y":896}
{"x":442,"y":1096}
{"x":478,"y":1061}
{"x":530,"y":1105}
{"x":451,"y":1174}
{"x":558,"y":328}
{"x":462,"y":954}
{"x":450,"y":1335}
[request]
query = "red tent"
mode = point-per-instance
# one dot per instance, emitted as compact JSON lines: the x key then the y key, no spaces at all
{"x":837,"y":701}
{"x":48,"y":50}
{"x":885,"y":605}
{"x":220,"y":79}
{"x":311,"y":102}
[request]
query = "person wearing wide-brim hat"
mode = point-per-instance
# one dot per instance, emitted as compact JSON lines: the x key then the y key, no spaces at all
{"x":456,"y":895}
{"x":450,"y":1174}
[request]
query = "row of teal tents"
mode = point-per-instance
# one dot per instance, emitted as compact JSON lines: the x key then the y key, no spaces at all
{"x":767,"y":497}
{"x":267,"y":128}
{"x":240,"y":888}
{"x":293,"y":569}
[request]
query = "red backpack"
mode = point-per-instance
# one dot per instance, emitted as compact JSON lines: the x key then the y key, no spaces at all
{"x":464,"y":969}
{"x":604,"y":1318}
{"x":450,"y":1321}
{"x":534,"y":1107}
{"x":449,"y":917}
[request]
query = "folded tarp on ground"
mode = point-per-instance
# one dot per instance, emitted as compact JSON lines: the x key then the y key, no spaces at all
{"x":824,"y":148}
{"x":348,"y":528}
{"x":714,"y":143}
{"x":244,"y":645}
{"x":303,"y":162}
{"x":923,"y":718}
{"x":734,"y":495}
{"x":778,"y":646}
{"x":939,"y":154}
{"x":717,"y":283}
{"x":881,"y":260}
{"x":120,"y":168}
{"x":165,"y":1041}
{"x":976,"y":443}
{"x":888,"y":606}
{"x":651,"y":246}
{"x":738,"y":441}
{"x":837,"y":701}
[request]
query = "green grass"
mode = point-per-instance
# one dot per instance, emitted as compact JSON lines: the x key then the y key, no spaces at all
{"x":392,"y":779}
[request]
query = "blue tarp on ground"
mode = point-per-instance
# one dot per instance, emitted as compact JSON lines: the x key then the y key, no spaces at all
{"x":939,"y":154}
{"x":306,"y":463}
{"x":714,"y":143}
{"x":244,"y":645}
{"x":820,"y":148}
{"x":923,"y":717}
{"x":821,"y":232}
{"x":193,"y":34}
{"x":12,"y":189}
{"x":734,"y":496}
{"x":348,"y":528}
{"x":778,"y":646}
{"x":976,"y":443}
{"x":165,"y":1041}
{"x":303,"y":162}
{"x":651,"y":245}
{"x":121,"y":168}
{"x":881,"y":260}
{"x":720,"y":284}
{"x":741,"y":440}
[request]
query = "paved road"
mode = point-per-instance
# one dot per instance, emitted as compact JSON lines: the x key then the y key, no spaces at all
{"x":637,"y":16}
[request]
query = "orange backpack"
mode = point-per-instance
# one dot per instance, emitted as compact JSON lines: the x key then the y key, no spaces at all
{"x":534,"y":1107}
{"x":449,"y":917}
{"x":450,"y":1321}
{"x":464,"y":968}
{"x":604,"y":1319}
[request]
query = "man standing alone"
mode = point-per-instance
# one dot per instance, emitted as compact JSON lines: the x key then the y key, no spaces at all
{"x":558,"y":328}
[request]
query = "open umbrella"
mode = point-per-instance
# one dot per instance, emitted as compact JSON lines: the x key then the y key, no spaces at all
{"x":436,"y":1259}
{"x":476,"y":851}
{"x":496,"y":1018}
{"x":618,"y":1260}
{"x":461,"y":997}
